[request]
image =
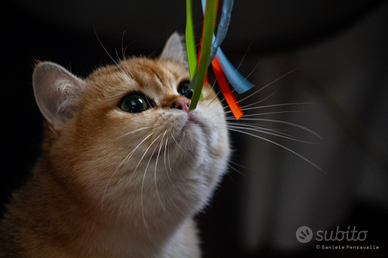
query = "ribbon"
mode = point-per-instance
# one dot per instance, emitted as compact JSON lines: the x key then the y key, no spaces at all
{"x":230,"y":99}
{"x":208,"y":29}
{"x":210,"y":53}
{"x":238,"y":82}
{"x":190,"y":41}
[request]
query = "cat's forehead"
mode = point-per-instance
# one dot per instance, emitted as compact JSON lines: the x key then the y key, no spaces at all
{"x":154,"y":77}
{"x":153,"y":74}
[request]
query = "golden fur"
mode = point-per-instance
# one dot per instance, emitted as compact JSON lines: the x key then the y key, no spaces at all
{"x":111,"y":183}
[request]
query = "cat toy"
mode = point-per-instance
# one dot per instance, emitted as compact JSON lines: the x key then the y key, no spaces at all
{"x":210,"y":53}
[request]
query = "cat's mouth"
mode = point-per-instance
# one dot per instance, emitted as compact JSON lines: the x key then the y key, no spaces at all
{"x":190,"y":124}
{"x":193,"y":120}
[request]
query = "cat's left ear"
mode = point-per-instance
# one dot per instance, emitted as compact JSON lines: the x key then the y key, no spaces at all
{"x":56,"y":90}
{"x":174,"y":50}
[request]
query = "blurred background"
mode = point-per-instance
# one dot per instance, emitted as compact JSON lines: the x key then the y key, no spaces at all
{"x":330,"y":56}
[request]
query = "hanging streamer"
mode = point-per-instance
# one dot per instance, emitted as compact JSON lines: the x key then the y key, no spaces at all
{"x":238,"y":82}
{"x":190,"y":41}
{"x":210,"y":53}
{"x":199,"y":53}
{"x":222,"y":27}
{"x":218,"y":71}
{"x":208,"y":29}
{"x":230,"y":100}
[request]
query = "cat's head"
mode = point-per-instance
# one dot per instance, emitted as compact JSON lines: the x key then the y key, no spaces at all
{"x":126,"y":131}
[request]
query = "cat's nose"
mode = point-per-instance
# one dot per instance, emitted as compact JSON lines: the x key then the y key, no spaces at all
{"x":182,"y":104}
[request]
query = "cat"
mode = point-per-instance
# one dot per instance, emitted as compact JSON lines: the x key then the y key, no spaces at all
{"x":124,"y":166}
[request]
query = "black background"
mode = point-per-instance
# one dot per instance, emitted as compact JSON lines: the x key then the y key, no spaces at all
{"x":27,"y":36}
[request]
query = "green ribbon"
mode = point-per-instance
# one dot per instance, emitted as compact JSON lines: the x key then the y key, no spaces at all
{"x":207,"y":37}
{"x":190,"y":41}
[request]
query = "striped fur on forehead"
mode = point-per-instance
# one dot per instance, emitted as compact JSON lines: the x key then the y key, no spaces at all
{"x":141,"y":74}
{"x":151,"y":73}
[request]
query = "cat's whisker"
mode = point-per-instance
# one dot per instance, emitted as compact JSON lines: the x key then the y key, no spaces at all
{"x":169,"y":161}
{"x":237,"y":164}
{"x":282,"y":122}
{"x":266,"y":86}
{"x":215,"y":81}
{"x":106,"y":51}
{"x":122,"y":162}
{"x":156,"y":164}
{"x":142,"y":157}
{"x":247,"y":107}
{"x":122,"y":46}
{"x":213,"y":99}
{"x":269,"y":113}
{"x":243,"y":58}
{"x":117,"y":55}
{"x":262,"y":127}
{"x":216,"y":97}
{"x":243,"y":108}
{"x":127,"y":77}
{"x":238,"y":67}
{"x":236,"y":170}
{"x":279,"y":145}
{"x":218,"y":114}
{"x":124,"y":50}
{"x":142,"y":184}
{"x":141,"y":195}
{"x":254,"y":129}
{"x":254,"y":126}
{"x":165,"y":163}
{"x":254,"y":68}
{"x":142,"y":128}
{"x":249,"y":74}
{"x":178,"y":144}
{"x":214,"y":84}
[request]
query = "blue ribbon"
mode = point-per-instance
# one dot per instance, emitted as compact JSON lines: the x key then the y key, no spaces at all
{"x":238,"y":82}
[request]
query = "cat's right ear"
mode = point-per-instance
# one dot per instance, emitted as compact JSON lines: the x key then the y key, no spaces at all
{"x":55,"y":90}
{"x":174,"y":50}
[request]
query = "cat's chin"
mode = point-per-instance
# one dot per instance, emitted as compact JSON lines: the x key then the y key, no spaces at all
{"x":189,"y":129}
{"x":193,"y":126}
{"x":193,"y":121}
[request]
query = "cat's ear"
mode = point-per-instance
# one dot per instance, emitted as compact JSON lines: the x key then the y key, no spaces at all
{"x":174,"y":50}
{"x":55,"y":90}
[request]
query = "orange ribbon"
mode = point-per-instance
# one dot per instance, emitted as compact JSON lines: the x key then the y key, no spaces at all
{"x":230,"y":99}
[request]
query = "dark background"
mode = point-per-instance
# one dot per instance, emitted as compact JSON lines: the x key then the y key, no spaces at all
{"x":66,"y":33}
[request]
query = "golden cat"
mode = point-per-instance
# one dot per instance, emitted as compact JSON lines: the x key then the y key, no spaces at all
{"x":124,"y":165}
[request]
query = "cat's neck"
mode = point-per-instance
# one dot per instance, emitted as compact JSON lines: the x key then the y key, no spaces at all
{"x":127,"y":228}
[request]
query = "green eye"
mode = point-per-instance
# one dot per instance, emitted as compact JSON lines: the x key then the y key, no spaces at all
{"x":134,"y":104}
{"x":184,"y":90}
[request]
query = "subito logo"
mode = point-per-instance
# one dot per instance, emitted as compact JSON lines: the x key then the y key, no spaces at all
{"x":304,"y":234}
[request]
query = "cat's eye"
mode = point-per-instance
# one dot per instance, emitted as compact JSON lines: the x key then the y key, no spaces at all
{"x":184,"y":90}
{"x":134,"y":103}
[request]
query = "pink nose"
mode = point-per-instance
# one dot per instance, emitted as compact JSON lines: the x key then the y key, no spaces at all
{"x":182,"y":104}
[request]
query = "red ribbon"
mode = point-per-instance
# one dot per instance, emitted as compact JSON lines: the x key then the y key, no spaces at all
{"x":230,"y":99}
